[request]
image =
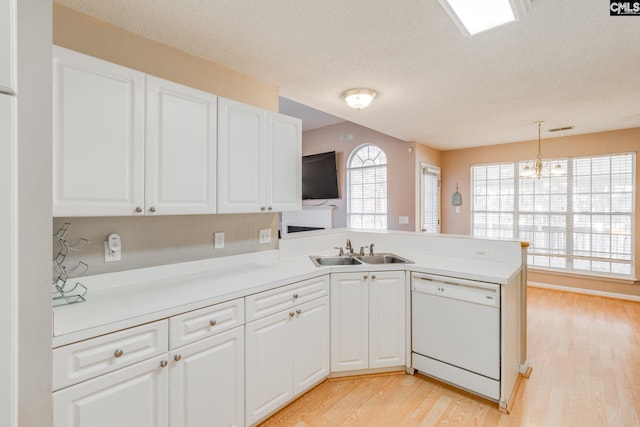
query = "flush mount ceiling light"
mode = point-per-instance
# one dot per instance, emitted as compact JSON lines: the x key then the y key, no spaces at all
{"x":473,"y":16}
{"x":358,"y":98}
{"x":536,"y":168}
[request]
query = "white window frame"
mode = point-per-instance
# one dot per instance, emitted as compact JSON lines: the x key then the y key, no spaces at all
{"x":376,"y":212}
{"x":566,"y":256}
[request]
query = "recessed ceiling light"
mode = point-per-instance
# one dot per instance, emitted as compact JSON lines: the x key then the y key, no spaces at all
{"x":473,"y":16}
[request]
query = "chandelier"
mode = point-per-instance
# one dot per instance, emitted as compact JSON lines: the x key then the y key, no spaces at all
{"x":536,"y":168}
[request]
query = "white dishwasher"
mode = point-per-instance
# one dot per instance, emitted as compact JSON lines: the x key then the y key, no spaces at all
{"x":456,"y":331}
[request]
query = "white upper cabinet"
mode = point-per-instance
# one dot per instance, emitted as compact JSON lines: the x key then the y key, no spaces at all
{"x":284,"y":163}
{"x":7,"y":38}
{"x":98,"y":136}
{"x":240,"y":157}
{"x":259,"y":159}
{"x":180,"y":151}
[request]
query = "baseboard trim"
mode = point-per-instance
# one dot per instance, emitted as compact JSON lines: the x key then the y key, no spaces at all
{"x":592,"y":292}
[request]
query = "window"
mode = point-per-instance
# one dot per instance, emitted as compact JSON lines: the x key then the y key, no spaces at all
{"x":581,"y":222}
{"x":367,"y":188}
{"x":430,"y":199}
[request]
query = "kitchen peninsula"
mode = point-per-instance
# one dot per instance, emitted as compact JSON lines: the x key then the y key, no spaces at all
{"x":265,"y":327}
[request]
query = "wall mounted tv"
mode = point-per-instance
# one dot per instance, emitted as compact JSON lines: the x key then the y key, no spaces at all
{"x":319,"y":176}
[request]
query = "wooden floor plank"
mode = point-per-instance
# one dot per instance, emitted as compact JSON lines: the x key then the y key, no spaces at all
{"x":585,"y":351}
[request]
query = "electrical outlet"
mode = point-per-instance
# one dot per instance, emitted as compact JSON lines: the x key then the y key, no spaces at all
{"x":265,"y":235}
{"x":403,"y":220}
{"x":112,"y":255}
{"x":218,"y":240}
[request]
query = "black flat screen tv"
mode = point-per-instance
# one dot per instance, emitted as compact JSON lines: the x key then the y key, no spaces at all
{"x":319,"y":176}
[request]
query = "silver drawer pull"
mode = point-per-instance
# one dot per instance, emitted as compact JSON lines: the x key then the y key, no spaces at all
{"x":298,"y":311}
{"x":291,"y":314}
{"x":212,"y":322}
{"x":177,"y":357}
{"x":163,"y":364}
{"x":373,"y":277}
{"x":295,"y":296}
{"x":118,"y":353}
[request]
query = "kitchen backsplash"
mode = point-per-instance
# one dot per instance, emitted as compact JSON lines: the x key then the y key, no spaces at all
{"x":156,"y":240}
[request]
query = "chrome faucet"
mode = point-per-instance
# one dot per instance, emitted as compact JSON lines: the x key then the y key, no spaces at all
{"x":341,"y":250}
{"x":349,"y":247}
{"x":371,"y":249}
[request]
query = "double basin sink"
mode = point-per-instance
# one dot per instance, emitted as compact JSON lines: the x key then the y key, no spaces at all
{"x":352,"y":259}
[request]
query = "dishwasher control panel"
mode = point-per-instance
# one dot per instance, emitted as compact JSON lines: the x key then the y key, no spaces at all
{"x":458,"y":289}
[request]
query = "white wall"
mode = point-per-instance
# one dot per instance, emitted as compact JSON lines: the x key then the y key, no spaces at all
{"x":34,"y":212}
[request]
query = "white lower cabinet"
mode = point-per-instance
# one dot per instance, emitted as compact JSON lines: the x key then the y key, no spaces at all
{"x":286,"y":354}
{"x":368,"y":318}
{"x":135,"y":396}
{"x":132,"y":378}
{"x":206,"y":386}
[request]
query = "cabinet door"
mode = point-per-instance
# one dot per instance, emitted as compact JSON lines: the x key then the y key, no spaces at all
{"x":269,"y":360}
{"x":135,"y":396}
{"x":241,"y":147}
{"x":98,"y":137}
{"x":180,"y":150}
{"x":310,"y":344}
{"x":7,"y":39}
{"x":207,"y":382}
{"x":349,"y":321}
{"x":283,"y":163}
{"x":387,"y":319}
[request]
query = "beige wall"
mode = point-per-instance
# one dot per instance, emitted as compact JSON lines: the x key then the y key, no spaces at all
{"x":346,"y":136}
{"x":149,"y":241}
{"x":82,"y":33}
{"x":456,"y":170}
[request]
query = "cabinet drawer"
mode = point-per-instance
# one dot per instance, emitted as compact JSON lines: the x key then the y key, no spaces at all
{"x":195,"y":325}
{"x":273,"y":301}
{"x":87,"y":359}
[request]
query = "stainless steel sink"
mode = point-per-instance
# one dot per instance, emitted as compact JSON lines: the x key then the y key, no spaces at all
{"x":335,"y":260}
{"x":384,"y":258}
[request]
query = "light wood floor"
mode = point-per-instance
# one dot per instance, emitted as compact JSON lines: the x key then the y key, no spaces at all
{"x":585,"y":354}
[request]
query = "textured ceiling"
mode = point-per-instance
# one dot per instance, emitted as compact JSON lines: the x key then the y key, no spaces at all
{"x":567,"y":62}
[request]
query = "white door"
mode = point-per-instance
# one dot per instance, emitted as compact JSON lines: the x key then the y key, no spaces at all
{"x":135,"y":396}
{"x":8,"y":260}
{"x":310,"y":344}
{"x":283,"y":163}
{"x":207,"y":382}
{"x":180,"y":150}
{"x":349,"y":321}
{"x":430,"y":208}
{"x":7,"y":39}
{"x":241,"y":148}
{"x":387,"y":319}
{"x":269,"y":365}
{"x":98,"y":137}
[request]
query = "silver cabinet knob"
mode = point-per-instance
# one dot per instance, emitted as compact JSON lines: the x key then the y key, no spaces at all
{"x":163,"y":364}
{"x":177,"y":357}
{"x":270,"y":208}
{"x":366,"y":276}
{"x":152,"y":209}
{"x":118,"y":353}
{"x":298,"y":311}
{"x":295,"y":296}
{"x":262,"y":208}
{"x":212,"y":322}
{"x":138,"y":209}
{"x":291,"y":314}
{"x":373,"y":277}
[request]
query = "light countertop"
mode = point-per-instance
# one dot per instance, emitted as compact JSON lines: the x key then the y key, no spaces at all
{"x":145,"y":300}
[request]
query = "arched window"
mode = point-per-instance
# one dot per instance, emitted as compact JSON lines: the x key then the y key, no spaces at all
{"x":367,"y":188}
